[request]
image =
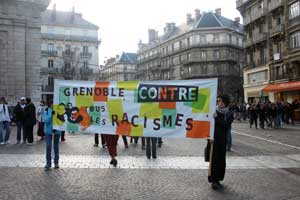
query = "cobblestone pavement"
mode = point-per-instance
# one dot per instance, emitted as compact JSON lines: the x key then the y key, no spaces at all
{"x":264,"y":164}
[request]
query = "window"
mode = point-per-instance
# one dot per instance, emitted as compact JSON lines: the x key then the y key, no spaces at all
{"x":258,"y":77}
{"x":85,"y":64}
{"x":50,"y":63}
{"x":294,"y":10}
{"x":68,"y":48}
{"x":50,"y":47}
{"x":216,"y":39}
{"x":203,"y":55}
{"x":176,"y":46}
{"x":295,"y":40}
{"x":50,"y":81}
{"x":203,"y":39}
{"x":85,"y":49}
{"x":217,"y":54}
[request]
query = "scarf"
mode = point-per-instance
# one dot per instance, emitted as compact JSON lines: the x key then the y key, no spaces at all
{"x":222,"y":110}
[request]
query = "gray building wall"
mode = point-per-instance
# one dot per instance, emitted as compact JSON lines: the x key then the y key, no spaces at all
{"x":20,"y":39}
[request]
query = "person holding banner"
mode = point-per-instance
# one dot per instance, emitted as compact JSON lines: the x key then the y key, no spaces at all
{"x":218,"y":161}
{"x":49,"y":132}
{"x":111,"y":143}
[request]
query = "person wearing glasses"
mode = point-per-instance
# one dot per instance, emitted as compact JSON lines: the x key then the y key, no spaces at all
{"x":218,"y":165}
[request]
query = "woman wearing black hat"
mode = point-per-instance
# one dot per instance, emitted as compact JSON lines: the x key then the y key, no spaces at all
{"x":218,"y":163}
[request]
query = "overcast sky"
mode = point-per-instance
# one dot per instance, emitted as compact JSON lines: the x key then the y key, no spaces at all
{"x":123,"y":23}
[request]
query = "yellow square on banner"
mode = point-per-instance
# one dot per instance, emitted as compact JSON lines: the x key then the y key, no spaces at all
{"x":115,"y":107}
{"x":203,"y":103}
{"x":84,"y":101}
{"x":128,"y":85}
{"x":151,"y":110}
{"x":137,"y":131}
{"x":55,"y":120}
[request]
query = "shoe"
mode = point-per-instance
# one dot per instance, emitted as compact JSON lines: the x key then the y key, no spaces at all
{"x":115,"y":162}
{"x":126,"y":146}
{"x":18,"y":142}
{"x":143,"y":147}
{"x":111,"y":162}
{"x":159,"y":145}
{"x":219,"y":185}
{"x":56,"y":166}
{"x":47,"y":167}
{"x":2,"y":143}
{"x":214,"y":186}
{"x":149,"y":157}
{"x":154,"y":157}
{"x":30,"y":144}
{"x":104,"y":146}
{"x":63,"y":140}
{"x":7,"y":142}
{"x":95,"y":145}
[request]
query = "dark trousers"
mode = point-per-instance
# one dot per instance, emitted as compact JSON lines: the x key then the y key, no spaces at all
{"x":125,"y":140}
{"x":62,"y":137}
{"x":143,"y":142}
{"x":151,"y":146}
{"x":20,"y":127}
{"x":253,"y":120}
{"x":29,"y":133}
{"x":97,"y":139}
{"x":111,"y":142}
{"x":134,"y":139}
{"x":49,"y":148}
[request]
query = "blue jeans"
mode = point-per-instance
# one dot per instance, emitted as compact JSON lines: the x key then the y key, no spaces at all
{"x":49,"y":149}
{"x":4,"y":126}
{"x":229,"y":138}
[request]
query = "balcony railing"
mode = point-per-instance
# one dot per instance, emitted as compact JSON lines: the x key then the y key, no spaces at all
{"x":47,"y":88}
{"x":277,"y":29}
{"x":275,"y":4}
{"x":68,"y":53}
{"x":261,"y":62}
{"x":86,"y":71}
{"x":259,"y":12}
{"x":294,"y":21}
{"x":49,"y":53}
{"x":86,"y":55}
{"x":259,"y":37}
{"x":51,"y":70}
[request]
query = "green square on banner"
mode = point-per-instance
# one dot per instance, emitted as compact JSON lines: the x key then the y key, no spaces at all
{"x":72,"y":127}
{"x":62,"y":97}
{"x":96,"y":116}
{"x":167,"y":114}
{"x":203,"y":103}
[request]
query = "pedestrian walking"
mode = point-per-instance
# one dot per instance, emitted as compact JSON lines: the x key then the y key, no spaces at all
{"x":253,"y":116}
{"x":51,"y":134}
{"x":30,"y":120}
{"x":19,"y":113}
{"x":151,"y":147}
{"x":111,"y":142}
{"x":4,"y":121}
{"x":40,"y":119}
{"x":218,"y":162}
{"x":97,"y":140}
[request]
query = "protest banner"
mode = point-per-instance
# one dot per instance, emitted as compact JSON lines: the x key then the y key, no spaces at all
{"x":177,"y":108}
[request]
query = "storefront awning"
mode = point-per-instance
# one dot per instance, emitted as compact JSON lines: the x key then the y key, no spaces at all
{"x":280,"y":87}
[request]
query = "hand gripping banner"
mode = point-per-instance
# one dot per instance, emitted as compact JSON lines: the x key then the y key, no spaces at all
{"x":179,"y":108}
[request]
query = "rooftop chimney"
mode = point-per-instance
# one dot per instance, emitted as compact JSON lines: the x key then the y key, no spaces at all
{"x":197,"y":14}
{"x":237,"y":21}
{"x":189,"y":18}
{"x":73,"y":15}
{"x":152,"y":35}
{"x":169,"y":27}
{"x":54,"y":13}
{"x":218,"y":11}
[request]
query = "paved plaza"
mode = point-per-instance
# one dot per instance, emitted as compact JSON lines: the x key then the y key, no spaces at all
{"x":264,"y":164}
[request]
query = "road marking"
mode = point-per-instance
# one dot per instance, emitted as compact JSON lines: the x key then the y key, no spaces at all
{"x":141,"y":162}
{"x":271,"y":141}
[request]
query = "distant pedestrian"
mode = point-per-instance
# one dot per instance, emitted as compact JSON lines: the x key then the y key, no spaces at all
{"x":111,"y":142}
{"x":4,"y":121}
{"x":19,"y":113}
{"x":96,"y":144}
{"x":51,"y":134}
{"x":218,"y":162}
{"x":40,"y":119}
{"x":30,"y":120}
{"x":151,"y":147}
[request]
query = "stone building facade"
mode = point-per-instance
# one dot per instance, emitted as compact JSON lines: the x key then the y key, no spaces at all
{"x":272,"y":47}
{"x":207,"y":45}
{"x":20,"y":48}
{"x":69,"y":49}
{"x":120,"y":68}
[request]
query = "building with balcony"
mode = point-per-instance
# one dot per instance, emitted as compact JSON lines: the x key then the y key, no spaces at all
{"x":69,"y":49}
{"x":272,"y":48}
{"x":207,"y":45}
{"x":20,"y":40}
{"x":120,"y":68}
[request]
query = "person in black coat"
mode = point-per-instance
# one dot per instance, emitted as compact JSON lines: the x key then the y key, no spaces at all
{"x":218,"y":163}
{"x":19,"y":113}
{"x":29,"y":120}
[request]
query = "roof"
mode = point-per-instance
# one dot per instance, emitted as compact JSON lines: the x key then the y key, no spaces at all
{"x":51,"y":17}
{"x":129,"y":58}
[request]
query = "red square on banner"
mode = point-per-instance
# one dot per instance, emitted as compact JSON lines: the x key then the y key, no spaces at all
{"x":99,"y":94}
{"x":201,"y":129}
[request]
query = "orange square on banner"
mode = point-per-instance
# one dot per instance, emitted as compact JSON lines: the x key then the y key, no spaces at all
{"x":201,"y":129}
{"x":167,"y":105}
{"x":124,"y":128}
{"x":99,"y":91}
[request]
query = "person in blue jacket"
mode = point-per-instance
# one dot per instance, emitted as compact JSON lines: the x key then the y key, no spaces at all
{"x":51,"y":133}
